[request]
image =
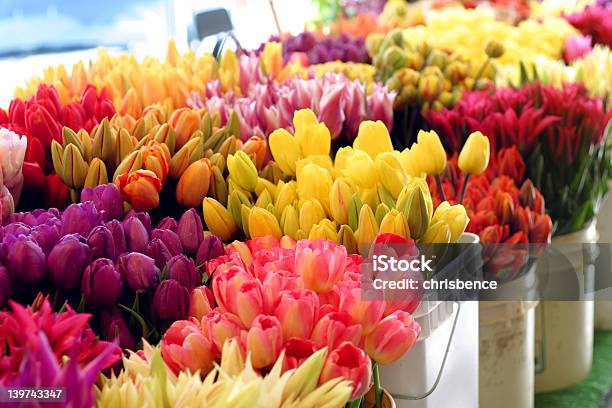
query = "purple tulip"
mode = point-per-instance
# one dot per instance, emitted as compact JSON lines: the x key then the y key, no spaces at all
{"x":101,"y":284}
{"x":5,"y":286}
{"x":136,"y":235}
{"x":26,"y":260}
{"x":67,"y":261}
{"x":114,"y":327}
{"x":17,"y":228}
{"x":210,"y":248}
{"x":171,"y":300}
{"x":183,"y":270}
{"x":46,"y":235}
{"x":116,"y":229}
{"x":190,"y":231}
{"x":157,"y":250}
{"x":144,"y":217}
{"x":170,"y":239}
{"x":139,"y":271}
{"x":80,"y":219}
{"x":168,"y":223}
{"x":101,"y":242}
{"x":107,"y":199}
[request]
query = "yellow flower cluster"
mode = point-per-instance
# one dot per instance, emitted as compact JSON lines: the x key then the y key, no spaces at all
{"x":594,"y":70}
{"x":467,"y":32}
{"x":543,"y":8}
{"x":368,"y":188}
{"x":352,"y":70}
{"x":147,"y":381}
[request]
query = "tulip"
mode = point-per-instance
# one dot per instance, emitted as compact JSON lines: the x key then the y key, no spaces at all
{"x":7,"y":205}
{"x":395,"y":222}
{"x":184,"y":347}
{"x":136,"y":235}
{"x":171,"y":300}
{"x":218,"y":219}
{"x":190,"y":231}
{"x":297,"y":310}
{"x":107,"y":199}
{"x":113,"y":327}
{"x":242,"y":170}
{"x":296,"y":352}
{"x":182,"y":269}
{"x":116,"y":229}
{"x":101,"y":243}
{"x":104,"y":143}
{"x":363,"y":311}
{"x":12,"y":154}
{"x":46,"y":236}
{"x":5,"y":286}
{"x":170,"y":239}
{"x":315,"y":182}
{"x":367,"y":227}
{"x":351,"y":363}
{"x":155,"y":157}
{"x":157,"y":249}
{"x":335,"y":328}
{"x":80,"y":219}
{"x":67,"y":261}
{"x":226,"y":284}
{"x":201,"y":302}
{"x":360,"y":168}
{"x":474,"y":157}
{"x":373,"y":138}
{"x":184,"y":121}
{"x":139,"y":271}
{"x":193,"y":184}
{"x":390,"y":172}
{"x":320,"y":263}
{"x":311,"y":212}
{"x":262,"y":223}
{"x":141,"y":189}
{"x":429,"y":153}
{"x":249,"y":302}
{"x":168,"y":223}
{"x":392,"y":337}
{"x":454,"y":216}
{"x":221,"y":326}
{"x":340,"y":198}
{"x":42,"y":125}
{"x":193,"y":150}
{"x":285,"y":150}
{"x":101,"y":284}
{"x":438,"y":233}
{"x":264,"y":341}
{"x":210,"y":248}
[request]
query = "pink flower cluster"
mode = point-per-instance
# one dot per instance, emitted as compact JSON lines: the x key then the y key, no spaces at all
{"x":274,"y":296}
{"x":267,"y":105}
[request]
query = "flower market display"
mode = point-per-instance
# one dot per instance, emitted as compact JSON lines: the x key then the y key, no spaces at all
{"x":202,"y":230}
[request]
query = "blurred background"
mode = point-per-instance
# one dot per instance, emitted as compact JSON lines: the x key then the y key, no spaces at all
{"x":35,"y":34}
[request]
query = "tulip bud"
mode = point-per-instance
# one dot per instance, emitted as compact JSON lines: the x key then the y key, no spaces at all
{"x":193,"y":184}
{"x":367,"y":227}
{"x":218,"y":186}
{"x":221,"y":327}
{"x":171,"y":300}
{"x":141,"y":189}
{"x":340,"y":197}
{"x":67,"y":261}
{"x":184,"y":347}
{"x":438,"y":233}
{"x":320,"y":263}
{"x":139,"y":271}
{"x":165,"y":134}
{"x":242,"y":170}
{"x":101,"y":284}
{"x":262,"y":223}
{"x":104,"y":143}
{"x":80,"y":218}
{"x":454,"y":216}
{"x":310,"y":213}
{"x":264,"y":341}
{"x":26,"y":261}
{"x":210,"y":248}
{"x":129,"y":164}
{"x":180,"y":161}
{"x":346,"y":238}
{"x":474,"y":157}
{"x":136,"y":235}
{"x":114,"y":328}
{"x":373,"y":138}
{"x":325,"y":229}
{"x":285,"y":150}
{"x":190,"y":231}
{"x":46,"y":236}
{"x":185,"y":121}
{"x":125,"y":145}
{"x":257,"y":148}
{"x":116,"y":229}
{"x":334,"y":329}
{"x":218,"y":219}
{"x":297,"y":310}
{"x":289,"y":221}
{"x":395,"y":222}
{"x":286,"y":195}
{"x":390,"y":173}
{"x":264,"y":199}
{"x":57,"y":157}
{"x":159,"y":252}
{"x":96,"y":174}
{"x":75,"y":167}
{"x":494,"y":49}
{"x":182,"y":269}
{"x":101,"y":243}
{"x":351,"y":363}
{"x":201,"y":302}
{"x":392,"y":337}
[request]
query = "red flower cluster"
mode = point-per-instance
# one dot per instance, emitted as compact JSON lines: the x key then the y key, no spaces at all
{"x":67,"y":333}
{"x":594,"y":21}
{"x":41,"y":119}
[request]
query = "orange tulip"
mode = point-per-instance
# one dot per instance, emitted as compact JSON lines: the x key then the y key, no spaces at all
{"x":257,"y":148}
{"x":193,"y":184}
{"x":140,"y":188}
{"x":185,"y":121}
{"x":156,"y":158}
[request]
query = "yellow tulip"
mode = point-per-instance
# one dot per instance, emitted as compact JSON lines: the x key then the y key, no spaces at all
{"x":312,"y":137}
{"x":242,"y":170}
{"x":218,"y":219}
{"x":340,"y":197}
{"x":325,"y":229}
{"x":310,"y":213}
{"x":289,"y":221}
{"x":454,"y":216}
{"x":429,"y":153}
{"x":395,"y":222}
{"x":390,"y":173}
{"x":263,"y":223}
{"x":474,"y":157}
{"x":437,"y":233}
{"x":368,"y":228}
{"x":314,"y":182}
{"x":373,"y":138}
{"x":285,"y":150}
{"x":360,"y":169}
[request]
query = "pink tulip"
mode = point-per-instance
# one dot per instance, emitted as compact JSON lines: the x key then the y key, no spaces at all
{"x":297,"y":310}
{"x":380,"y":105}
{"x":335,"y":328}
{"x":363,"y":310}
{"x":220,"y":326}
{"x":259,"y":243}
{"x":279,"y":281}
{"x":392,"y":337}
{"x":331,"y":109}
{"x":12,"y":153}
{"x":576,"y":47}
{"x":321,"y":263}
{"x":201,"y":302}
{"x":184,"y":347}
{"x":241,"y":249}
{"x":351,"y":363}
{"x":264,"y":341}
{"x":249,"y":302}
{"x":226,"y":285}
{"x":296,"y":352}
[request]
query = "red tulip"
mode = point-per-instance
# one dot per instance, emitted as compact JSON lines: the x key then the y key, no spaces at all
{"x":296,"y":352}
{"x":42,"y":125}
{"x":350,"y":363}
{"x":73,"y":116}
{"x":57,"y":194}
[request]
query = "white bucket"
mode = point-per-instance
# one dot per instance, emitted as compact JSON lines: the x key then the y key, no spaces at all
{"x":603,"y":309}
{"x":506,"y":335}
{"x":443,"y":365}
{"x":564,"y":329}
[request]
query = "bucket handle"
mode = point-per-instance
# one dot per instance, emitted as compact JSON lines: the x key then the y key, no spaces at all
{"x":435,"y":384}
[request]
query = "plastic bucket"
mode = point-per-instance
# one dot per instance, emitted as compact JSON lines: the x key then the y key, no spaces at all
{"x":564,"y":329}
{"x":603,"y":309}
{"x":443,"y":364}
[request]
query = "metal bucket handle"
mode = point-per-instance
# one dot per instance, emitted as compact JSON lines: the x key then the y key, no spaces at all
{"x":435,"y":384}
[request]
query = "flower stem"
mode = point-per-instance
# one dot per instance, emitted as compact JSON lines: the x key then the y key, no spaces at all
{"x":440,"y":189}
{"x":465,"y":183}
{"x":377,"y":388}
{"x":480,"y":72}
